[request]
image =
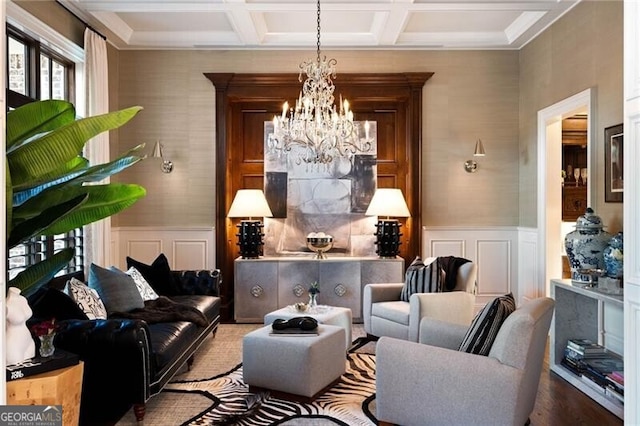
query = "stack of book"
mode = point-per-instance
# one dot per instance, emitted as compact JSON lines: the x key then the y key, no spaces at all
{"x":596,"y":366}
{"x":615,"y":385}
{"x":37,"y":365}
{"x":577,"y":350}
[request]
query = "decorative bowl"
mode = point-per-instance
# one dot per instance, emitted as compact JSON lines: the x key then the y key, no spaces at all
{"x":319,"y":243}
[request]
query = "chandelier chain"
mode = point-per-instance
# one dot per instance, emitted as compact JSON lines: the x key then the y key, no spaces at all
{"x":318,"y":36}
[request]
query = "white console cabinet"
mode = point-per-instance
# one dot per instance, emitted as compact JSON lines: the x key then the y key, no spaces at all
{"x":585,"y":313}
{"x":268,"y":283}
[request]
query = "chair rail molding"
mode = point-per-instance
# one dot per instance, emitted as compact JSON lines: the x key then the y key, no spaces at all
{"x":185,"y":247}
{"x":506,"y":257}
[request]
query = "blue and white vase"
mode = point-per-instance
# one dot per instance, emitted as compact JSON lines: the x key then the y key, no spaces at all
{"x":585,"y":247}
{"x":613,"y":256}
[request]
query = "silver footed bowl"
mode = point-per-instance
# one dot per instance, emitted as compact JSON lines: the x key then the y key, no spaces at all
{"x":320,"y":245}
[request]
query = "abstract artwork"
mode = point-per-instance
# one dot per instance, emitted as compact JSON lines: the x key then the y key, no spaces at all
{"x":329,"y":198}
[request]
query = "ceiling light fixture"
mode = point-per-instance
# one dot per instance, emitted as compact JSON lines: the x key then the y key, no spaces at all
{"x":314,"y":129}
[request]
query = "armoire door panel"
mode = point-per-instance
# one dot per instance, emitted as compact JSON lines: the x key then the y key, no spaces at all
{"x":245,"y":101}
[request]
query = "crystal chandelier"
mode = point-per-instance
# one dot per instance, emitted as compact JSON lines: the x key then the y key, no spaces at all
{"x":315,"y":130}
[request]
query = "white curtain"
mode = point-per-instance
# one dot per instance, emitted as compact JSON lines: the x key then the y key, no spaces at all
{"x":98,"y":234}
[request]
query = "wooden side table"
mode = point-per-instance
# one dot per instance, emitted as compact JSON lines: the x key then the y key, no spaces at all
{"x":56,"y":387}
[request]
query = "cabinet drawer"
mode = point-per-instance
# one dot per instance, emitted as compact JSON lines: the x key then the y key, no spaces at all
{"x":294,"y":280}
{"x":340,"y":286}
{"x":256,"y":290}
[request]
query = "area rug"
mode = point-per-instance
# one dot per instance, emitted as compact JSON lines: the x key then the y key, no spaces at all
{"x":351,"y":402}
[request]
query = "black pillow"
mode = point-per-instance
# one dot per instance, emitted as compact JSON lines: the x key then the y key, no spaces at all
{"x":158,"y":274}
{"x":49,"y":303}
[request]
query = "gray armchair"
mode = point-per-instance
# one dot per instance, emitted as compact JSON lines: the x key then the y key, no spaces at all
{"x":384,"y":314}
{"x":432,"y":383}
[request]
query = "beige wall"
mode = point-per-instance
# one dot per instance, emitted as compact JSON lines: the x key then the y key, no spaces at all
{"x":493,"y":95}
{"x":473,"y":94}
{"x":582,"y":50}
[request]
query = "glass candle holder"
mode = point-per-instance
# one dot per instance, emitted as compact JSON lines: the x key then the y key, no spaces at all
{"x":46,"y":345}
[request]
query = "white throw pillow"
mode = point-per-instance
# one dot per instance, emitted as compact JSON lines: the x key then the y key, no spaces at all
{"x":144,"y":288}
{"x":86,"y":298}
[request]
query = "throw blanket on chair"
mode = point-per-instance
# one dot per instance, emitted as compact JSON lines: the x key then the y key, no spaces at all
{"x":450,"y":265}
{"x":164,"y":309}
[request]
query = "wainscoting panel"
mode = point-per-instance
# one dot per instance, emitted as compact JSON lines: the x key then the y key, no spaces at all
{"x":454,"y":248}
{"x":493,"y":249}
{"x":143,"y":249}
{"x":185,"y":248}
{"x":496,"y":279}
{"x":529,"y":281}
{"x":190,"y":254}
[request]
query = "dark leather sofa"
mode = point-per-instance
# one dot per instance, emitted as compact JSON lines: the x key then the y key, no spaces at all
{"x":127,"y":361}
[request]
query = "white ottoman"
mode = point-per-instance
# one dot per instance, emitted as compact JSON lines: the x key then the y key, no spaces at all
{"x":331,"y":315}
{"x":293,"y":367}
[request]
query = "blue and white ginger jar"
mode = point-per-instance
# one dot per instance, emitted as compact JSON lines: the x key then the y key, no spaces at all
{"x":613,"y":256}
{"x":585,"y":247}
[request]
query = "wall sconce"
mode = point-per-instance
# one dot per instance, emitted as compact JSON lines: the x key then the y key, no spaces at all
{"x":167,"y":166}
{"x":471,"y":166}
{"x":388,"y":202}
{"x":250,"y":203}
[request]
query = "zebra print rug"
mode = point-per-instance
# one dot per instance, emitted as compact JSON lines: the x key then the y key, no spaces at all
{"x":351,"y":402}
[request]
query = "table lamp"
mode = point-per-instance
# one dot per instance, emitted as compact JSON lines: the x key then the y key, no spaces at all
{"x":250,"y":203}
{"x":388,"y":202}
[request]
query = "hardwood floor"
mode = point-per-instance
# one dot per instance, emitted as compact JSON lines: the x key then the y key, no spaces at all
{"x":560,"y":403}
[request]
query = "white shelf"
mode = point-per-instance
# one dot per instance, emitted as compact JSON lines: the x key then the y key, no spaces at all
{"x":580,"y":313}
{"x":610,"y":404}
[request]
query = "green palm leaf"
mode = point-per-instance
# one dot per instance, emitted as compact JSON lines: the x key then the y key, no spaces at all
{"x":36,"y":224}
{"x":83,"y":173}
{"x":104,"y":201}
{"x":65,"y":173}
{"x":35,"y":118}
{"x":103,"y":171}
{"x":43,"y":154}
{"x":46,"y":177}
{"x":34,"y":276}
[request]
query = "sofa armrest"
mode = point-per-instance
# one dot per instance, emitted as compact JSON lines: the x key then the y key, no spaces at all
{"x":384,"y":292}
{"x":203,"y":282}
{"x":421,"y":384}
{"x":441,"y":333}
{"x":374,"y":293}
{"x":455,"y":307}
{"x":116,"y":355}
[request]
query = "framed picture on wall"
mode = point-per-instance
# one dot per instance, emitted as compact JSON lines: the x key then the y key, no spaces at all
{"x":613,"y":163}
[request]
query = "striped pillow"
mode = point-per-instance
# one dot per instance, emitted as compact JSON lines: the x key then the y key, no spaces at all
{"x":421,"y":278}
{"x":485,"y":326}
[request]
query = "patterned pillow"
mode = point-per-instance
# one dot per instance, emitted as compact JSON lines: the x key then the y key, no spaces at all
{"x":86,"y":298}
{"x":117,"y":290}
{"x":485,"y":326}
{"x":145,"y":290}
{"x":158,"y":274}
{"x":421,"y":278}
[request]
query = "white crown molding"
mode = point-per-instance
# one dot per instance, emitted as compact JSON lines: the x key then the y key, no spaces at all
{"x":21,"y":19}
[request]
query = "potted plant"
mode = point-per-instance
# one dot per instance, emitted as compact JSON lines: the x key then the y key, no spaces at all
{"x":51,"y":188}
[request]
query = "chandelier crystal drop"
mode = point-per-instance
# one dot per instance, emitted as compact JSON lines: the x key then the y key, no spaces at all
{"x":315,"y":130}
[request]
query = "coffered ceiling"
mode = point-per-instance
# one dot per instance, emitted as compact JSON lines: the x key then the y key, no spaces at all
{"x":345,"y":24}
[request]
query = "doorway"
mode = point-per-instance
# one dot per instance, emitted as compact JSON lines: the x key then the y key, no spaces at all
{"x":550,"y":232}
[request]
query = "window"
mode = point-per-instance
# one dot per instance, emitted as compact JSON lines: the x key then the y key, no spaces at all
{"x":36,"y":72}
